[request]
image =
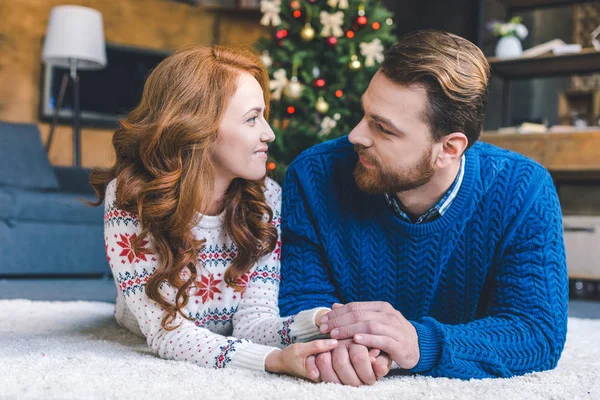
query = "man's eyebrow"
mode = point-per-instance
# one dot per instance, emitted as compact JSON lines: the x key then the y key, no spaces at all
{"x":381,"y":120}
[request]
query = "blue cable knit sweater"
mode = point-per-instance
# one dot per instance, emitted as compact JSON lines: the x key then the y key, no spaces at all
{"x":485,"y":285}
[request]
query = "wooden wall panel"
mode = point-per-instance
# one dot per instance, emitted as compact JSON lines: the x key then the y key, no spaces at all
{"x":157,"y":24}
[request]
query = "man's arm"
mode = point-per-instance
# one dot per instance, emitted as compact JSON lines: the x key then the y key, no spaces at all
{"x":305,"y":282}
{"x":526,"y":323}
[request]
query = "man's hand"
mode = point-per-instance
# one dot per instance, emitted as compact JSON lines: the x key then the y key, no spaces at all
{"x":375,"y":325}
{"x":352,"y":364}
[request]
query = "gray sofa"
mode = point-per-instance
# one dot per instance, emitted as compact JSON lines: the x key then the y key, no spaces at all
{"x":45,"y":228}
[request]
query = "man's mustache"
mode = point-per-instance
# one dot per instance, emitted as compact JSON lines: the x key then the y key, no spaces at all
{"x":363,"y":152}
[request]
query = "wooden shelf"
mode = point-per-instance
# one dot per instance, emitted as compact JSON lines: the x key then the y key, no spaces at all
{"x":518,"y":5}
{"x":566,"y":152}
{"x":588,"y":61}
{"x":233,"y":10}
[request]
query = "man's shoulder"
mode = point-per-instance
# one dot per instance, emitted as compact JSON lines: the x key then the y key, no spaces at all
{"x":325,"y":153}
{"x":495,"y":161}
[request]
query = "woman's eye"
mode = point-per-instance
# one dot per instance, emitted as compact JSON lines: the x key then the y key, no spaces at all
{"x":252,"y":120}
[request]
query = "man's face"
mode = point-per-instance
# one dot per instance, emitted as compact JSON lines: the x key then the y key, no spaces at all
{"x":393,"y":140}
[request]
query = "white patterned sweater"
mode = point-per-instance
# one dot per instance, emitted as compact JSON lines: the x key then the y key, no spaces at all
{"x":227,"y":328}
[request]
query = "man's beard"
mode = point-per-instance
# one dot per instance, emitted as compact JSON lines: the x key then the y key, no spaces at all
{"x":385,"y":180}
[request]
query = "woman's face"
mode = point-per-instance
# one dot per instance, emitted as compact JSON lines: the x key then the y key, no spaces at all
{"x":244,"y":134}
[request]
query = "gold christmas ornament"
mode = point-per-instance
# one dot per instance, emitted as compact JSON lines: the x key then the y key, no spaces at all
{"x":293,"y":90}
{"x":307,"y":33}
{"x":321,"y":105}
{"x":355,"y":63}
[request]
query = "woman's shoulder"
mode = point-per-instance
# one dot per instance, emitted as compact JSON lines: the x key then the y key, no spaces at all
{"x":272,"y":193}
{"x":111,"y":191}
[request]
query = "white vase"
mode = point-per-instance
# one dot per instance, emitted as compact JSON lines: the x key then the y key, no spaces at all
{"x":509,"y":47}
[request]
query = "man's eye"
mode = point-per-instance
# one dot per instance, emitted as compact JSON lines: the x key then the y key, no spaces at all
{"x":381,"y":129}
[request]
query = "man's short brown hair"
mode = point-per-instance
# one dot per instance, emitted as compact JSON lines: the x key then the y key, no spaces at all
{"x":452,"y":70}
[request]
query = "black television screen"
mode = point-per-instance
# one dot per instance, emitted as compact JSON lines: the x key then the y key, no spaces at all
{"x":106,"y":94}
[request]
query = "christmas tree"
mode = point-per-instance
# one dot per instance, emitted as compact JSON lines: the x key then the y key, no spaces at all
{"x":321,"y":56}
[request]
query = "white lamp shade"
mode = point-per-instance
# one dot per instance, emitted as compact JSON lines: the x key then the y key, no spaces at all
{"x":75,"y":32}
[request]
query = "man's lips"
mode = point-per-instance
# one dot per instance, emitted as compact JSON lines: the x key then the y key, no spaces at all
{"x":364,"y":161}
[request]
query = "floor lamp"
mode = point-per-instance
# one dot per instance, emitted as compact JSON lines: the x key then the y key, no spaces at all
{"x":74,"y":40}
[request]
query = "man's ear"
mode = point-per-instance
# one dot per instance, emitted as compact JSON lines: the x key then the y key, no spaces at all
{"x":452,"y":148}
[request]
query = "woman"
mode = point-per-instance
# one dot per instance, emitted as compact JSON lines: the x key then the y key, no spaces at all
{"x":192,"y":224}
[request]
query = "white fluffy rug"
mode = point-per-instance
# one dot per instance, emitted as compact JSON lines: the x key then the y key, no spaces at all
{"x":75,"y":350}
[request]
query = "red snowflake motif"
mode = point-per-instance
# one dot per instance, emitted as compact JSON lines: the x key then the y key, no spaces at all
{"x":128,"y":251}
{"x":242,"y":281}
{"x":207,"y":287}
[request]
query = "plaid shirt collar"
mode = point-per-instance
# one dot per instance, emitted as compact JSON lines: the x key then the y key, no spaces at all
{"x":439,"y":208}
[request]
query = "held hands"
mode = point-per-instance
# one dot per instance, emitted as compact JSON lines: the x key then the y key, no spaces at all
{"x":349,"y":363}
{"x":376,"y":325}
{"x":352,"y":364}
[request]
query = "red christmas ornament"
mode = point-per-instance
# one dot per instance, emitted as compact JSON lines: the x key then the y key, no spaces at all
{"x":320,"y":83}
{"x":332,"y":41}
{"x":297,"y":14}
{"x":271,"y":166}
{"x":376,"y":25}
{"x":350,"y":34}
{"x":281,"y":34}
{"x":361,"y":21}
{"x":291,"y":109}
{"x":339,"y":93}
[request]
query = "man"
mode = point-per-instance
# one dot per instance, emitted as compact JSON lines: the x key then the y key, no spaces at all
{"x":446,"y":254}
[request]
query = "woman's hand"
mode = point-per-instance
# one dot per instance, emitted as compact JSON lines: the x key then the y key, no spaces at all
{"x":319,"y":315}
{"x":292,"y":360}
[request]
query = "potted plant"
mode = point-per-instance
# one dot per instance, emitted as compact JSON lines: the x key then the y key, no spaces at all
{"x":511,"y":33}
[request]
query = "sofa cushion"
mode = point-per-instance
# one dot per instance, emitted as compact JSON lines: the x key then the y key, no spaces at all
{"x":63,"y":207}
{"x":23,"y":160}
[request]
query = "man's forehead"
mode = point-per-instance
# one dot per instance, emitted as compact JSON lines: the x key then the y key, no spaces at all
{"x":389,"y":98}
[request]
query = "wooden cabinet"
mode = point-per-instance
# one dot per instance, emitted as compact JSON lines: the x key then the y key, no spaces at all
{"x":558,"y":152}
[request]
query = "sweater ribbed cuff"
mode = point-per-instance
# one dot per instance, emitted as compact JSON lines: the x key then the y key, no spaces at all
{"x":304,"y":328}
{"x":430,"y":346}
{"x":251,"y":356}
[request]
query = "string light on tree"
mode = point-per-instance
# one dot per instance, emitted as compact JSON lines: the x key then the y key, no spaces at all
{"x":291,"y":110}
{"x":295,"y":5}
{"x":280,"y":34}
{"x":271,"y":166}
{"x":332,"y":41}
{"x":297,"y":14}
{"x":339,"y":93}
{"x":376,"y":25}
{"x":320,"y":83}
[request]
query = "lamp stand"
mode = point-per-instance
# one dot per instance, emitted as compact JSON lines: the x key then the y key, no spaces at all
{"x":61,"y":96}
{"x":76,"y":115}
{"x":76,"y":112}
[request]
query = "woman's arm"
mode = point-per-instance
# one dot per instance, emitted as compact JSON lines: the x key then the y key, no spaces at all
{"x":257,"y":316}
{"x":132,"y":269}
